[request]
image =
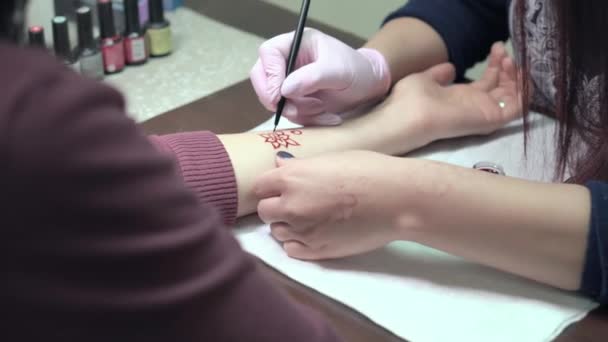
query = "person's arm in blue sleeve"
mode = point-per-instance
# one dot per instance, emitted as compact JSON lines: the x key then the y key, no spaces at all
{"x":424,"y":33}
{"x":594,"y":282}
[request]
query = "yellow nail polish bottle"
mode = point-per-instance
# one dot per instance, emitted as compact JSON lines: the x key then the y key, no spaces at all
{"x":158,"y":31}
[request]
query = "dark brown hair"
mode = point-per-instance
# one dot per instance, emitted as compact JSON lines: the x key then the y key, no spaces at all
{"x":582,"y":111}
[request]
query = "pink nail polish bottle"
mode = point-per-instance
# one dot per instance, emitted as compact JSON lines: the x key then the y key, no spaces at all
{"x":112,"y":46}
{"x":136,"y":51}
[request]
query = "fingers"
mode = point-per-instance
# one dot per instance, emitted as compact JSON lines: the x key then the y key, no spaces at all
{"x":491,"y":76}
{"x":312,"y":78}
{"x":444,"y":73}
{"x":303,"y":106}
{"x":293,"y":243}
{"x":268,"y":98}
{"x":270,"y":210}
{"x":508,"y":90}
{"x":298,"y":250}
{"x":512,"y":108}
{"x":272,"y":183}
{"x":268,"y":74}
{"x":284,"y":232}
{"x":310,"y":111}
{"x":509,"y":70}
{"x":324,"y":119}
{"x":489,"y":79}
{"x":497,"y":54}
{"x":269,"y":184}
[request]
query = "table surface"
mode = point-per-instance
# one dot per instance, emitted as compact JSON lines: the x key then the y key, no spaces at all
{"x":236,"y":109}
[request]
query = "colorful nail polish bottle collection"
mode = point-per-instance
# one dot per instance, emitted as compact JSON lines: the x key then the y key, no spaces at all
{"x":113,"y":51}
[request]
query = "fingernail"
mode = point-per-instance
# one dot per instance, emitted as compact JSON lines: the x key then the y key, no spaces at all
{"x":328,"y":120}
{"x":285,"y":155}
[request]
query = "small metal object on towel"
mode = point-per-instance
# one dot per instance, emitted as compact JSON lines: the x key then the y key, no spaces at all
{"x":490,"y":167}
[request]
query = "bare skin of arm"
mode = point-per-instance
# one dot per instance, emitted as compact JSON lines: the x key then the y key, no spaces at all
{"x":535,"y":230}
{"x":532,"y":229}
{"x":413,"y":116}
{"x":419,"y":46}
{"x":254,"y":153}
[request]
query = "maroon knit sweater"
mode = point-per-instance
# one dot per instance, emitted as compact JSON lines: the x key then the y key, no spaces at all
{"x":102,"y":240}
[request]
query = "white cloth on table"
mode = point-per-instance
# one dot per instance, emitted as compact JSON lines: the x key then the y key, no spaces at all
{"x":424,"y":295}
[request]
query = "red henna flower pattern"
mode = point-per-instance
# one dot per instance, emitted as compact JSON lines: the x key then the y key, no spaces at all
{"x":281,"y":139}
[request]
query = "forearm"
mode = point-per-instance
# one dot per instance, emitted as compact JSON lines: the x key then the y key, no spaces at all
{"x":253,"y":153}
{"x":409,"y":45}
{"x":535,"y":230}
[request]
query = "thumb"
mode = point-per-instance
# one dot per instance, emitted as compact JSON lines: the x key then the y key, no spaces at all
{"x":444,"y":73}
{"x":283,"y":158}
{"x":311,"y":78}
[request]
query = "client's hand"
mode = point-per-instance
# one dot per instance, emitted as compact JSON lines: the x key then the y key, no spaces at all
{"x":439,"y":110}
{"x":481,"y":107}
{"x":333,"y":206}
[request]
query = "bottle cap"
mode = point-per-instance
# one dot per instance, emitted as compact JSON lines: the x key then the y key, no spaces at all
{"x":106,"y":19}
{"x":132,"y":16}
{"x":84,"y":20}
{"x":61,"y":37}
{"x":157,"y":11}
{"x":36,"y":36}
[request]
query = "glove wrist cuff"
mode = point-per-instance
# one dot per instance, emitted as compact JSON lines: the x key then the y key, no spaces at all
{"x":380,"y":67}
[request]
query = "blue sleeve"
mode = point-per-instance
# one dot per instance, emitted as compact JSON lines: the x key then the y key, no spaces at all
{"x":468,"y":27}
{"x":595,"y":273}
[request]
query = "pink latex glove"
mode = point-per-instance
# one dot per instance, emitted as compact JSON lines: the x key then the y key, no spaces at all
{"x":329,"y":77}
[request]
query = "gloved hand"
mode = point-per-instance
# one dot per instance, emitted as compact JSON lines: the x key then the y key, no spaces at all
{"x":329,"y":77}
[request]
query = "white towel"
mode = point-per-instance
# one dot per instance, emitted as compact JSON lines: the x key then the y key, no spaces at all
{"x":424,"y":295}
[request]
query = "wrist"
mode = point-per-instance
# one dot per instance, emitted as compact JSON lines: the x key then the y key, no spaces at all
{"x":329,"y":139}
{"x":380,"y":68}
{"x":412,"y":222}
{"x":379,"y":132}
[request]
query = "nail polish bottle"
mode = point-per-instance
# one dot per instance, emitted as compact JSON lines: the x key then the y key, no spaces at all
{"x":112,"y":45}
{"x":36,"y":37}
{"x":158,"y":30}
{"x":136,"y":51}
{"x":91,"y":60}
{"x":61,"y":43}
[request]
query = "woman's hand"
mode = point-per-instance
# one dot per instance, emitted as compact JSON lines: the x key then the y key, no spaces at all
{"x":440,"y":110}
{"x":354,"y":202}
{"x":336,"y":205}
{"x":330,"y":77}
{"x":483,"y":106}
{"x":448,"y":111}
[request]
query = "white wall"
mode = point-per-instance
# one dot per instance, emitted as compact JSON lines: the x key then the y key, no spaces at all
{"x":40,"y":12}
{"x":360,"y":17}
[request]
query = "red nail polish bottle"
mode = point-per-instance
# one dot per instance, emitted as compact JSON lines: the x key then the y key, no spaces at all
{"x":112,"y":46}
{"x":36,"y":37}
{"x":136,"y":51}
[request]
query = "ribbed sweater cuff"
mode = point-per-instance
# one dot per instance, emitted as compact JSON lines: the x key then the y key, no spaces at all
{"x":206,"y":168}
